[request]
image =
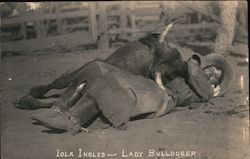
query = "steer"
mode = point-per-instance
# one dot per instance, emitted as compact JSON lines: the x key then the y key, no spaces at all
{"x":151,"y":56}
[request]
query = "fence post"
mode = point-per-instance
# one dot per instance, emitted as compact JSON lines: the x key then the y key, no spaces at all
{"x":59,"y":22}
{"x":38,"y":29}
{"x":123,"y":19}
{"x":104,"y":39}
{"x":133,"y":21}
{"x":23,"y":30}
{"x":92,"y":20}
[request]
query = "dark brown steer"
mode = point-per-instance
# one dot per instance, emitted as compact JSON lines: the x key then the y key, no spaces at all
{"x":150,"y":57}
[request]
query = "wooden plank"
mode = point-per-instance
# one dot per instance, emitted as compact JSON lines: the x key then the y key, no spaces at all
{"x":46,"y":25}
{"x":183,"y":28}
{"x":148,"y":17}
{"x":147,"y":11}
{"x":59,"y":22}
{"x":113,"y":22}
{"x":133,"y":16}
{"x":148,"y":6}
{"x":68,"y":40}
{"x":146,"y":2}
{"x":136,"y":12}
{"x":38,"y":29}
{"x":80,"y":13}
{"x":123,"y":30}
{"x":196,"y":26}
{"x":147,"y":28}
{"x":51,"y":16}
{"x":123,"y":19}
{"x":199,"y":16}
{"x":23,"y":31}
{"x":74,"y":7}
{"x":113,"y":3}
{"x":44,"y":28}
{"x":92,"y":21}
{"x":79,"y":25}
{"x":104,"y":39}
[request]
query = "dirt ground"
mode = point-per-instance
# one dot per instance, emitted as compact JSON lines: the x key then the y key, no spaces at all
{"x":215,"y":130}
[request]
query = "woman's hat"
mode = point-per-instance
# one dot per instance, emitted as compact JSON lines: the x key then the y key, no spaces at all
{"x":221,"y":63}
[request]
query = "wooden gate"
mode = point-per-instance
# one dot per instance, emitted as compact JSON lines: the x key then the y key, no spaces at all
{"x":103,"y":24}
{"x":41,"y":38}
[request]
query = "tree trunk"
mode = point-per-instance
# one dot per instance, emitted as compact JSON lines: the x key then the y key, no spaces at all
{"x":225,"y":33}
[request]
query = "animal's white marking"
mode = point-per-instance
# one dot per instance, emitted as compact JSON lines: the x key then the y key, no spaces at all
{"x":216,"y":90}
{"x":168,"y":27}
{"x":158,"y":80}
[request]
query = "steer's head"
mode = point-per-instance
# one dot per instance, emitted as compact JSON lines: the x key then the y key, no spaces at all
{"x":168,"y":61}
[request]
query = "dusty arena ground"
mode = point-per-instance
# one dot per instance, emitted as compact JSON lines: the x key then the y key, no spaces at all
{"x":215,"y":130}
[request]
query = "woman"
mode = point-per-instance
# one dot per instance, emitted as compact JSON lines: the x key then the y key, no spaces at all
{"x":117,"y":95}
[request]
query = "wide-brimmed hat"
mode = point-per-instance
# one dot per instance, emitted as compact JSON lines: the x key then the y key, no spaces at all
{"x":220,"y":62}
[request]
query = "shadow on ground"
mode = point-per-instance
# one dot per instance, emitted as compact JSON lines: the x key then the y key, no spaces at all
{"x":219,"y":129}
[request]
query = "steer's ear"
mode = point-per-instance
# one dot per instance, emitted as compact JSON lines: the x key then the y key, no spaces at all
{"x":162,"y":15}
{"x":160,"y":24}
{"x":165,"y":23}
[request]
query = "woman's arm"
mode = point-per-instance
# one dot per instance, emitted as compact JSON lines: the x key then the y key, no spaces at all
{"x":198,"y":81}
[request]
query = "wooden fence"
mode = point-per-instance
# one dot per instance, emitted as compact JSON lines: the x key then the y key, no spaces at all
{"x":99,"y":23}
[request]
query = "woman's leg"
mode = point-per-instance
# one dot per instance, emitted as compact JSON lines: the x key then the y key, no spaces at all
{"x":72,"y":120}
{"x":71,"y":96}
{"x":85,"y":109}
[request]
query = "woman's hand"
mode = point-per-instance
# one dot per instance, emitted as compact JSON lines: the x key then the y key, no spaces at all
{"x":216,"y":90}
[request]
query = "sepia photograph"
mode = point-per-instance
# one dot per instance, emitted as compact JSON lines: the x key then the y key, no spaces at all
{"x":124,"y":80}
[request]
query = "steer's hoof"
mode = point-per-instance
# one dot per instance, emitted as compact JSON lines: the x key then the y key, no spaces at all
{"x":38,"y":91}
{"x":26,"y":102}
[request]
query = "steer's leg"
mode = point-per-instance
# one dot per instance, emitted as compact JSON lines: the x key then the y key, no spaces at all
{"x":66,"y":101}
{"x":59,"y":83}
{"x":28,"y":102}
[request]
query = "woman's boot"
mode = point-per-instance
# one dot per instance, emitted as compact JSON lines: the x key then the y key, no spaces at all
{"x":58,"y":120}
{"x":70,"y":120}
{"x":85,"y":109}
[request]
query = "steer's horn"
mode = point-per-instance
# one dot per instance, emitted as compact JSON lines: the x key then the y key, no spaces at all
{"x":158,"y":80}
{"x":168,"y":27}
{"x":158,"y":31}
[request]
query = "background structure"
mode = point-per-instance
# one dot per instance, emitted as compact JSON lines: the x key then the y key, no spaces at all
{"x":102,"y":25}
{"x":45,"y":39}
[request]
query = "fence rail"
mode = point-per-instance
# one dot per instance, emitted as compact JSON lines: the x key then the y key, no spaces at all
{"x":90,"y":24}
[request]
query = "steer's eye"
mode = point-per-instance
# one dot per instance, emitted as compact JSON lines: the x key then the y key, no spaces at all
{"x":156,"y":35}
